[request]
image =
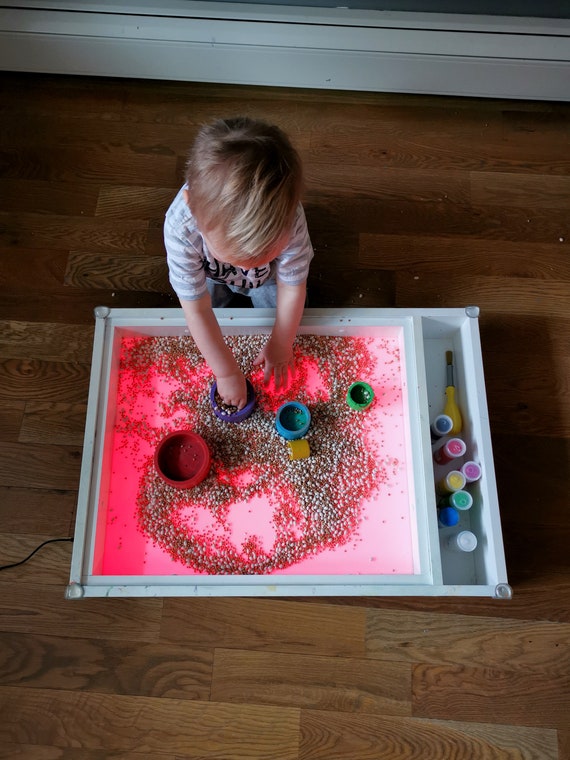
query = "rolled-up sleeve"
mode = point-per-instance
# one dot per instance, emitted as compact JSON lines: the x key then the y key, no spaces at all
{"x":183,"y":245}
{"x":292,"y":265}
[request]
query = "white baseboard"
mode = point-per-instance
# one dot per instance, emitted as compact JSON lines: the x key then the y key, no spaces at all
{"x":332,"y":48}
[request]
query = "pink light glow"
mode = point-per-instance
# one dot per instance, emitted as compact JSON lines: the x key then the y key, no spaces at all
{"x":250,"y":515}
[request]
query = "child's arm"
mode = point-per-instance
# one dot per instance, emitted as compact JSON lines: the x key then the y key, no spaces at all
{"x":206,"y":332}
{"x":276,"y":357}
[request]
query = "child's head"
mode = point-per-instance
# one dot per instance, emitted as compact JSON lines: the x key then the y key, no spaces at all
{"x":244,"y":184}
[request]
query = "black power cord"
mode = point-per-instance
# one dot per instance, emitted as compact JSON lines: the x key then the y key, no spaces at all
{"x":49,"y":541}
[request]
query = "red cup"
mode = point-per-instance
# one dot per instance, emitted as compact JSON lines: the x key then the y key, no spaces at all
{"x":182,"y":459}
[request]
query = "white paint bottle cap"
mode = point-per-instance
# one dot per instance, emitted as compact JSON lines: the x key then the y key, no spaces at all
{"x":464,"y":541}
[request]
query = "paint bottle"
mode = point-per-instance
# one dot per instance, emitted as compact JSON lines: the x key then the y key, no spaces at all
{"x":447,"y":517}
{"x":451,"y":449}
{"x":442,"y":425}
{"x":464,"y":541}
{"x":461,"y":500}
{"x":472,"y":471}
{"x":453,"y":481}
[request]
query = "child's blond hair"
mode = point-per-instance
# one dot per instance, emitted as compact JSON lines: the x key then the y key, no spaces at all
{"x":245,"y":181}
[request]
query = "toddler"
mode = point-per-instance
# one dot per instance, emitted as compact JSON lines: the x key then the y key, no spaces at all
{"x":237,"y":226}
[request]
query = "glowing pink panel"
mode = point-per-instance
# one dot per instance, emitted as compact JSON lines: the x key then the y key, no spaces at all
{"x":348,"y":509}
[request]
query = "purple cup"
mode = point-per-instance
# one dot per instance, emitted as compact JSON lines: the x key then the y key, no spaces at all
{"x":239,"y":415}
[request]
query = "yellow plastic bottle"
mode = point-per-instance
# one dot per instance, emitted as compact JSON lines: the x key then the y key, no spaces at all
{"x":451,"y":408}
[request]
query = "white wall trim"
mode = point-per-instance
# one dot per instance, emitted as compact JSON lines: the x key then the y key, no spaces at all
{"x":298,"y":47}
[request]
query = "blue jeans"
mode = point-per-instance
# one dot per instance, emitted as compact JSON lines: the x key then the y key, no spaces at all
{"x":263,"y":297}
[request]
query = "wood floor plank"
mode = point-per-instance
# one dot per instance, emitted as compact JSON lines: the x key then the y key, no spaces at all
{"x":54,"y":95}
{"x":44,"y":197}
{"x":140,"y":105}
{"x":25,"y":305}
{"x":480,"y":145}
{"x":337,"y":736}
{"x":66,"y":232}
{"x":536,"y":549}
{"x":504,"y":332}
{"x":53,"y":423}
{"x":38,"y":466}
{"x":335,"y":243}
{"x":500,"y":644}
{"x":37,"y":608}
{"x":123,"y":723}
{"x":334,"y":284}
{"x":126,"y":202}
{"x":11,"y":417}
{"x":94,"y":165}
{"x":30,"y":510}
{"x":106,"y":667}
{"x":39,"y":380}
{"x":516,"y":398}
{"x":264,"y":624}
{"x":134,"y":271}
{"x":539,"y":594}
{"x":49,"y":566}
{"x":387,"y":183}
{"x":322,"y":683}
{"x":73,"y":131}
{"x":483,"y":695}
{"x":46,"y":341}
{"x":458,"y":254}
{"x":539,"y":570}
{"x":564,"y":744}
{"x":531,"y":376}
{"x":13,"y":751}
{"x":518,"y":412}
{"x":522,"y":493}
{"x":527,"y":296}
{"x":335,"y":278}
{"x":522,"y":416}
{"x":372,"y":215}
{"x":533,"y":191}
{"x":47,"y":264}
{"x":154,"y":245}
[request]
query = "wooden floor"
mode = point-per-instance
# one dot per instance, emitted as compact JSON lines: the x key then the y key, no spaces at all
{"x":412,"y":202}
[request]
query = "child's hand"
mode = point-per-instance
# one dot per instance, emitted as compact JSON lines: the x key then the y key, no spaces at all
{"x":232,"y":389}
{"x":277,"y":361}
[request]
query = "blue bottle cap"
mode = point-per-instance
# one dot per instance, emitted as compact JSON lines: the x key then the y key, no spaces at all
{"x":448,"y":517}
{"x":442,"y":425}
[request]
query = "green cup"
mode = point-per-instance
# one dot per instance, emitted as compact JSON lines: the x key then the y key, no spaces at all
{"x":359,"y":396}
